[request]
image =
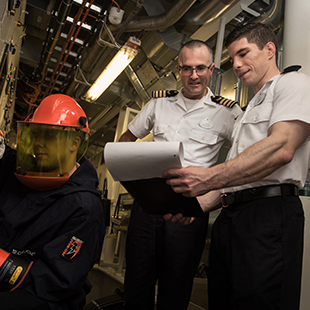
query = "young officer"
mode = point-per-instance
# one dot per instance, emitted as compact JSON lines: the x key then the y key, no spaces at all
{"x":257,"y":240}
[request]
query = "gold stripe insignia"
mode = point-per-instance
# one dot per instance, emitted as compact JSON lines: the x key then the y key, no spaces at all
{"x":223,"y":101}
{"x":164,"y":93}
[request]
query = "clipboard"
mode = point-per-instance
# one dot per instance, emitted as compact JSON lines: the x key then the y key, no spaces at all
{"x":156,"y":197}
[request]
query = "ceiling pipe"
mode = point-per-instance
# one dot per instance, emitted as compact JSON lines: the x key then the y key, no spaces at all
{"x":159,"y":22}
{"x":273,"y":16}
{"x":184,"y":12}
{"x":206,"y":12}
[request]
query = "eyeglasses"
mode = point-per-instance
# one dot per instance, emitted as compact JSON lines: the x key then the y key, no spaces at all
{"x":200,"y":70}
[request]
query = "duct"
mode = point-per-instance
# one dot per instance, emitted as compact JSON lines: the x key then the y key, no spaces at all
{"x":273,"y":17}
{"x":172,"y":38}
{"x":123,"y":26}
{"x":169,"y":36}
{"x":160,"y":22}
{"x":206,"y":12}
{"x":121,"y":90}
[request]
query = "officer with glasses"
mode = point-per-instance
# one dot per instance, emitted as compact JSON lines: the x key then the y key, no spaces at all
{"x":163,"y":252}
{"x":200,"y":70}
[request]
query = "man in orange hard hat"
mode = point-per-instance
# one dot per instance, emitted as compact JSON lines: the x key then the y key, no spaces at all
{"x":51,"y":221}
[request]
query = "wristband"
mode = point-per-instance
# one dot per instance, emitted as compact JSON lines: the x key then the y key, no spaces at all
{"x":13,"y":271}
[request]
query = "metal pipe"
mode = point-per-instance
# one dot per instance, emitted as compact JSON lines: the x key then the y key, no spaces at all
{"x":206,"y":12}
{"x":160,"y":22}
{"x":220,"y":42}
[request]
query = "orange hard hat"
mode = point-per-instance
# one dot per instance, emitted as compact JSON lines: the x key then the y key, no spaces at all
{"x":45,"y":155}
{"x":60,"y":110}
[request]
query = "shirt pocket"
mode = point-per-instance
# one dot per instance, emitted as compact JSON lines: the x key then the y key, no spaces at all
{"x":204,"y":136}
{"x":160,"y":130}
{"x":259,"y":114}
{"x":254,"y":126}
{"x":203,"y":147}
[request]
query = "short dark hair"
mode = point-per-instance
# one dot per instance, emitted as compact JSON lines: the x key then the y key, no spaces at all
{"x":257,"y":33}
{"x":196,"y":44}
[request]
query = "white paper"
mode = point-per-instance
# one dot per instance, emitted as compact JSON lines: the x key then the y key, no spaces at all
{"x":128,"y":161}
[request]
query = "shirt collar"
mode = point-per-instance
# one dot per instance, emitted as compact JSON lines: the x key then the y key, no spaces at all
{"x":205,"y":100}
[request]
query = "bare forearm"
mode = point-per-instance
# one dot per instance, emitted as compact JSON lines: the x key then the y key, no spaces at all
{"x":255,"y":163}
{"x":263,"y":157}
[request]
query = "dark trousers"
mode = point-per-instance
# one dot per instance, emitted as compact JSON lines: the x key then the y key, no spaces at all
{"x":21,"y":300}
{"x":160,"y":250}
{"x":256,"y":255}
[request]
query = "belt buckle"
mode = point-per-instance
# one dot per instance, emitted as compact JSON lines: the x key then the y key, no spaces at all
{"x":224,"y":201}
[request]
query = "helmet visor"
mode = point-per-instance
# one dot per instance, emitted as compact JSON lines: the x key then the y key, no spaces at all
{"x":47,"y":150}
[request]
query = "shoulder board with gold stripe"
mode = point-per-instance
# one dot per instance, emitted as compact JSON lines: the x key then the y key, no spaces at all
{"x":291,"y":69}
{"x":164,"y":93}
{"x":223,"y":101}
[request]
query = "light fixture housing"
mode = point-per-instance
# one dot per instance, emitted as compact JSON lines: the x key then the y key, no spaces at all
{"x":119,"y":62}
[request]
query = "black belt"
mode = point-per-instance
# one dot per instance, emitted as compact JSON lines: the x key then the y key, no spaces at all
{"x":259,"y":192}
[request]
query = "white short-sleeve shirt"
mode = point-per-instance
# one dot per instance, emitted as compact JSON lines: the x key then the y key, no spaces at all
{"x":203,"y":129}
{"x":285,"y":97}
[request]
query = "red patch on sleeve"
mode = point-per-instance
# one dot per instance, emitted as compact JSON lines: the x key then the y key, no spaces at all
{"x":72,"y":248}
